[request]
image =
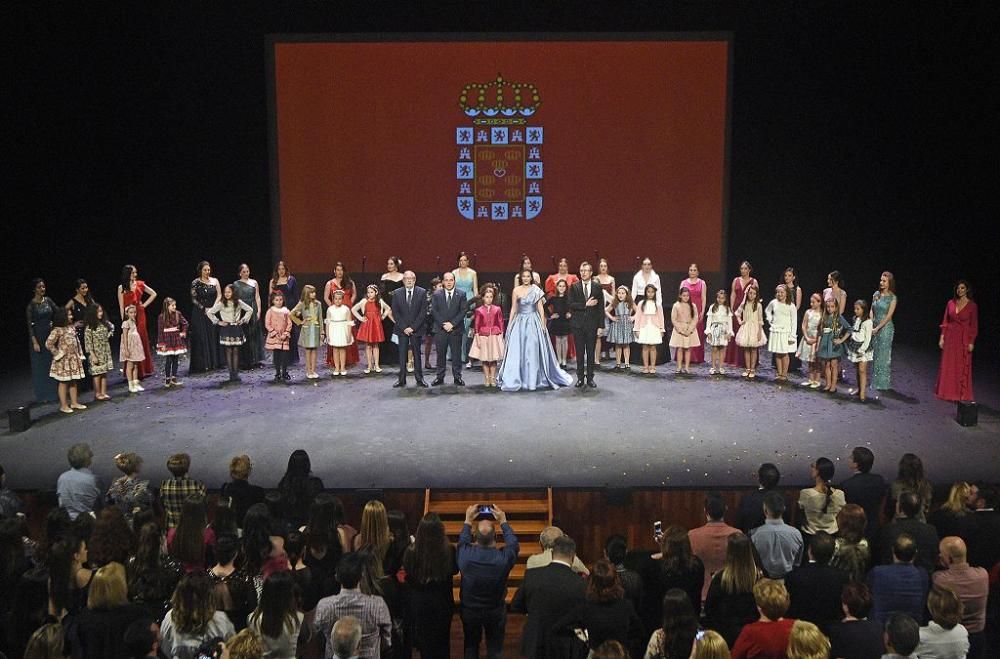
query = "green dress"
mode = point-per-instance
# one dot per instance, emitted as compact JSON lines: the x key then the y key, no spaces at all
{"x":882,"y":342}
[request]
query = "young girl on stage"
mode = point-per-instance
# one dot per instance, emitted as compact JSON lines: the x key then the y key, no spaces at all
{"x":230,"y":314}
{"x":859,"y":347}
{"x":781,"y":317}
{"x":338,"y":332}
{"x":97,"y":334}
{"x":278,"y":325}
{"x":370,"y":312}
{"x":750,"y":335}
{"x":559,"y":315}
{"x":810,"y":340}
{"x":487,"y":342}
{"x":718,"y":331}
{"x":171,"y":339}
{"x":67,"y":358}
{"x":308,"y":315}
{"x":684,"y":318}
{"x":619,"y":313}
{"x":130,"y":352}
{"x":834,"y":330}
{"x":648,"y":327}
{"x":607,"y":282}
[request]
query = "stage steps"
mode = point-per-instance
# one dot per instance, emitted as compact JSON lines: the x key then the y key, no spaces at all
{"x":528,"y":513}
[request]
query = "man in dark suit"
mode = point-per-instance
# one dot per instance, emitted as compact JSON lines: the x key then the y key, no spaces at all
{"x":925,"y":536}
{"x":409,"y":310}
{"x":586,"y":300}
{"x":448,"y":308}
{"x":546,"y":594}
{"x":865,"y":489}
{"x":815,"y":588}
{"x":750,"y":513}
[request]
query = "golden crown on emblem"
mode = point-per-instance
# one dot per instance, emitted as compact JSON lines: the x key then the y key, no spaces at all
{"x":499,"y":97}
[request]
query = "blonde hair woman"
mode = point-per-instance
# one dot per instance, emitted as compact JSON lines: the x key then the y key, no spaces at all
{"x":374,"y":531}
{"x":807,"y":642}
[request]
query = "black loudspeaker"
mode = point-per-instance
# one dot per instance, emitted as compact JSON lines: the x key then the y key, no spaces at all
{"x":968,"y":413}
{"x":19,"y":419}
{"x":618,"y":496}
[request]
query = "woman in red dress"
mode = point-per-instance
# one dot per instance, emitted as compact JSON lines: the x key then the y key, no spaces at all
{"x":699,"y":298}
{"x":550,"y":291}
{"x":958,"y":338}
{"x":131,"y":291}
{"x":734,"y":354}
{"x":341,"y":282}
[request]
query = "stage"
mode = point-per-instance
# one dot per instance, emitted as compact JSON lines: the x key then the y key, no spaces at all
{"x":634,"y":430}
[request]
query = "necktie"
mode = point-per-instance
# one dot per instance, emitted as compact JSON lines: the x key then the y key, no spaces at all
{"x":586,"y":289}
{"x":449,"y":298}
{"x":409,"y":296}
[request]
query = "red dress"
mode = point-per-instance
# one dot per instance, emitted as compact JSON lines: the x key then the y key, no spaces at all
{"x":371,"y":329}
{"x":352,"y":350}
{"x":698,"y":351}
{"x":959,"y":329}
{"x":734,"y":353}
{"x":135,"y":297}
{"x":550,"y":291}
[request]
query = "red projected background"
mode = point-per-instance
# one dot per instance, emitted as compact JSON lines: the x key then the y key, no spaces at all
{"x":609,"y":146}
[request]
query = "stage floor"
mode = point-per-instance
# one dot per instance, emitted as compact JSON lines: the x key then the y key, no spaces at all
{"x":634,"y":430}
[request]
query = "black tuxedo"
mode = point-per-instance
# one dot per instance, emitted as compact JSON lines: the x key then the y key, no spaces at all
{"x":815,"y":593}
{"x":412,"y":314}
{"x":546,"y":594}
{"x":442,"y":312}
{"x":868,"y":491}
{"x":584,"y":323}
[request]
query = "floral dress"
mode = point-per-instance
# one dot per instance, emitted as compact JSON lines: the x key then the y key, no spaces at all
{"x":67,"y":357}
{"x":97,"y":343}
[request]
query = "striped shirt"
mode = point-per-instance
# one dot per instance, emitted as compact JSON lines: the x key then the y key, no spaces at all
{"x":370,"y":610}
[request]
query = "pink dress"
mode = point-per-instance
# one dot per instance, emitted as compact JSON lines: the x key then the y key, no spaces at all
{"x":698,"y":351}
{"x":681,"y":319}
{"x":131,"y":349}
{"x":734,"y":353}
{"x":959,"y":329}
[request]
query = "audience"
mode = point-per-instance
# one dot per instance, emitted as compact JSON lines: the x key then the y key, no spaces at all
{"x":152,"y":575}
{"x":855,"y":635}
{"x":956,"y":516}
{"x":100,"y":628}
{"x":678,"y":629}
{"x":430,"y":565}
{"x":865,"y":489}
{"x":730,"y":603}
{"x":142,"y":639}
{"x":852,"y":553}
{"x":970,"y":584}
{"x":112,"y":540}
{"x":708,"y":542}
{"x":944,"y":636}
{"x":778,"y":544}
{"x":193,"y":617}
{"x":900,"y":586}
{"x":902,"y":636}
{"x":710,"y":646}
{"x":77,"y":488}
{"x":370,"y":611}
{"x":10,"y":503}
{"x":241,"y":493}
{"x":910,"y":478}
{"x":984,"y":550}
{"x":322,"y":549}
{"x":546,"y":538}
{"x":616,"y":550}
{"x":815,"y":587}
{"x":606,"y":613}
{"x":192,"y":539}
{"x":750,"y":514}
{"x":128,"y":493}
{"x":277,"y":619}
{"x":821,"y":502}
{"x":233,"y":590}
{"x":907,"y":521}
{"x":346,"y":638}
{"x":298,"y":488}
{"x":674,"y":566}
{"x":176,"y":490}
{"x":768,"y":637}
{"x":806,"y":641}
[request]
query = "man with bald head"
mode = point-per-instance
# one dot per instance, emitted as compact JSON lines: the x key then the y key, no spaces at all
{"x":346,"y":638}
{"x":409,"y":311}
{"x":971,"y":584}
{"x":547,"y":539}
{"x":448,"y":307}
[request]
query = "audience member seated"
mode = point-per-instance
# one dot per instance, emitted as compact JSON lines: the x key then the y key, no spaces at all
{"x":910,"y":478}
{"x":674,"y":566}
{"x":430,"y":565}
{"x":855,"y":635}
{"x":192,"y":541}
{"x":322,"y":549}
{"x":616,"y":550}
{"x":750,"y":514}
{"x":708,"y":542}
{"x":233,"y":590}
{"x":956,"y":516}
{"x":142,"y":639}
{"x":298,"y":488}
{"x":902,"y":636}
{"x":152,"y":576}
{"x":277,"y":619}
{"x":606,"y":613}
{"x":129,"y":493}
{"x":484,"y":569}
{"x":820,"y":503}
{"x":10,"y":503}
{"x":971,"y":584}
{"x":730,"y":603}
{"x":944,"y":637}
{"x":768,"y":637}
{"x":346,"y":639}
{"x":193,"y":618}
{"x":815,"y":588}
{"x":176,"y":490}
{"x":100,"y":628}
{"x":806,"y":641}
{"x":865,"y":489}
{"x":900,"y":586}
{"x":545,"y":595}
{"x":852,"y":554}
{"x":77,"y":488}
{"x":370,"y":610}
{"x":779,"y":545}
{"x":907,"y":521}
{"x":239,"y":490}
{"x":546,"y":538}
{"x":678,"y":628}
{"x":112,"y":540}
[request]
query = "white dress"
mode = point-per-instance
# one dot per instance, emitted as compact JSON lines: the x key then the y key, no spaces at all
{"x":338,"y":326}
{"x":718,"y":326}
{"x":859,"y":346}
{"x":649,"y":333}
{"x":781,"y":317}
{"x":807,"y":352}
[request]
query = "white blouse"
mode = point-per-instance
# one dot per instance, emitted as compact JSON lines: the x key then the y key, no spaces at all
{"x":228,"y":313}
{"x":781,"y":317}
{"x":862,"y":333}
{"x":639,"y":283}
{"x":722,"y":316}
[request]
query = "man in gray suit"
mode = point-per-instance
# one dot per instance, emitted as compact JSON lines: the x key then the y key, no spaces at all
{"x":448,"y":307}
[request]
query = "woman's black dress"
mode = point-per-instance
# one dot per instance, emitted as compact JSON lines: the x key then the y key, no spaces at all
{"x":203,"y":336}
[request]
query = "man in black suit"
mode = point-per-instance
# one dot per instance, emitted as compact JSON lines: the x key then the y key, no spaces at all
{"x":815,"y":588}
{"x":750,"y":513}
{"x":907,"y":521}
{"x":865,"y":489}
{"x":546,"y":594}
{"x":448,"y":308}
{"x":409,"y":310}
{"x":586,"y":300}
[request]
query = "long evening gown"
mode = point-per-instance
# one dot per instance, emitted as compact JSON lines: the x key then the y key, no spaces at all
{"x":40,"y":324}
{"x":882,"y":342}
{"x":291,"y":291}
{"x":203,"y":336}
{"x":734,"y":353}
{"x":698,"y":351}
{"x":252,"y":350}
{"x":135,"y":297}
{"x":959,"y":329}
{"x":530,"y":361}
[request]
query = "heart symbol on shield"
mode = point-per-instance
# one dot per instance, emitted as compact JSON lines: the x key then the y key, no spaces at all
{"x":500,"y":173}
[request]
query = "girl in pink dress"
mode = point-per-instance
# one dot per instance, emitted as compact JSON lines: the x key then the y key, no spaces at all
{"x":734,"y":353}
{"x":131,"y":353}
{"x":959,"y":328}
{"x":278,"y":325}
{"x":487,"y":342}
{"x":699,"y":297}
{"x":750,"y":336}
{"x":684,"y":337}
{"x":370,"y":312}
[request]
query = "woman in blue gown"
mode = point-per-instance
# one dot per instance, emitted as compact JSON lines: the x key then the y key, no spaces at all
{"x":39,"y":315}
{"x":529,"y":361}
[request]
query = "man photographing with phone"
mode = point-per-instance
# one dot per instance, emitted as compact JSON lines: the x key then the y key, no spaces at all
{"x":485,"y":568}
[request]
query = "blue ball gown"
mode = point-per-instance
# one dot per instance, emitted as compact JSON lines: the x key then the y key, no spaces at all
{"x":530,"y":362}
